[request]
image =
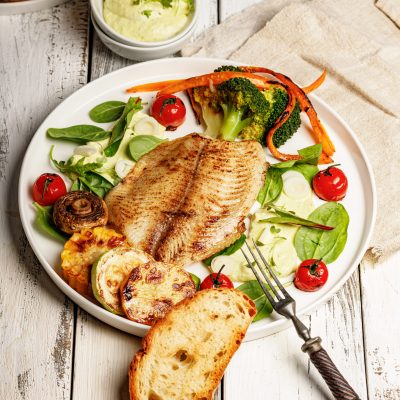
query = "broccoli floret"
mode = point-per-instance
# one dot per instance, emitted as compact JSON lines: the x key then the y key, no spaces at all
{"x":278,"y":99}
{"x":231,"y":68}
{"x":245,"y":110}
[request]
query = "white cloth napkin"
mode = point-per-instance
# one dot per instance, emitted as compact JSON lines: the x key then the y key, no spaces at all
{"x":359,"y":44}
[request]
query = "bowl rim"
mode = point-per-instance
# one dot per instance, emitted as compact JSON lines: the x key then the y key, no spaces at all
{"x":97,"y":13}
{"x":124,"y":46}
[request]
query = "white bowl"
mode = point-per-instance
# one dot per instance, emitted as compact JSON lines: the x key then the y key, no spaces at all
{"x":97,"y":12}
{"x":136,"y":53}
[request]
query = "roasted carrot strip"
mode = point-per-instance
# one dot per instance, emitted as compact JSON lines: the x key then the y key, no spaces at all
{"x":319,"y":132}
{"x":156,"y":86}
{"x":324,"y":159}
{"x":278,"y":123}
{"x":215,"y":78}
{"x":152,"y":86}
{"x":316,"y":84}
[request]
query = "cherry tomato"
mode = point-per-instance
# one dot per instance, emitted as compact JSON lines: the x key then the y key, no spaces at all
{"x":169,"y":111}
{"x":330,"y":184}
{"x":216,"y":280}
{"x":48,"y":188}
{"x":311,"y":275}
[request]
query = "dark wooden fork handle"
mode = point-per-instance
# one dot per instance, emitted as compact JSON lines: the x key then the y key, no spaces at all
{"x":338,"y":385}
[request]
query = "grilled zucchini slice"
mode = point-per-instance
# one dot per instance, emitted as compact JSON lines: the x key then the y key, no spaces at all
{"x":81,"y":251}
{"x":152,"y":289}
{"x":110,"y":271}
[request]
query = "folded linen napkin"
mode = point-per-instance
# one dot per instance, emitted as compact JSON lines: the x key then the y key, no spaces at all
{"x":359,"y":44}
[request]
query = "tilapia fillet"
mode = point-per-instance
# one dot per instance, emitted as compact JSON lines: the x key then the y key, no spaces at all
{"x":188,"y":198}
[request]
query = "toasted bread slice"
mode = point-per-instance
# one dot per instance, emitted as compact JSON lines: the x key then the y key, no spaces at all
{"x":81,"y":251}
{"x":185,"y":354}
{"x":152,"y":289}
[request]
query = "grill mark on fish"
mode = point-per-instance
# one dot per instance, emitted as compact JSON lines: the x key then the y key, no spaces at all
{"x":206,"y":191}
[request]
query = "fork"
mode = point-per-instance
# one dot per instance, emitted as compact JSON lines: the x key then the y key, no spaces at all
{"x":285,"y":305}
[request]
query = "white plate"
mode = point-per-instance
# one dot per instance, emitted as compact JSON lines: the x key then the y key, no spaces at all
{"x":21,"y":7}
{"x":360,"y":201}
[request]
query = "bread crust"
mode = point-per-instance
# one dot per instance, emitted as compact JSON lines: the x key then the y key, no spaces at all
{"x":232,"y":345}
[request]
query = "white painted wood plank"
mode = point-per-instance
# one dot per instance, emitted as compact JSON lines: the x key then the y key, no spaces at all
{"x":276,"y":366}
{"x":43,"y":60}
{"x":102,"y":353}
{"x":381,"y":316}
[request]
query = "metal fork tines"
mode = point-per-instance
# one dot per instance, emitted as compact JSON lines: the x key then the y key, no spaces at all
{"x":285,"y":305}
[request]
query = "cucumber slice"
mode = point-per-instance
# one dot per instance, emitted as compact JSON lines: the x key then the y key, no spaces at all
{"x":110,"y":271}
{"x":295,"y":185}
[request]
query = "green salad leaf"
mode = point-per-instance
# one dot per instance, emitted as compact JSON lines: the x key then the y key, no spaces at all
{"x":254,"y":291}
{"x":273,"y":184}
{"x":290,"y":218}
{"x":233,"y":248}
{"x":108,"y":111}
{"x":79,"y":133}
{"x":326,"y":245}
{"x":142,"y":144}
{"x":44,"y":222}
{"x":272,"y":187}
{"x":134,"y":104}
{"x":84,"y":176}
{"x":309,"y":155}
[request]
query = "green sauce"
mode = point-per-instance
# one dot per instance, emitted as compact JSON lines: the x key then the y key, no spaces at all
{"x":148,"y":20}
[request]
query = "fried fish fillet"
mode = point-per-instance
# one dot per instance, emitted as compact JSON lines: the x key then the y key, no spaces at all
{"x":188,"y":198}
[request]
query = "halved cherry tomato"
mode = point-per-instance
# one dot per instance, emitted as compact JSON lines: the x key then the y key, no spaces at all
{"x":48,"y":188}
{"x":169,"y":111}
{"x":311,"y":275}
{"x":330,"y":184}
{"x":216,"y":280}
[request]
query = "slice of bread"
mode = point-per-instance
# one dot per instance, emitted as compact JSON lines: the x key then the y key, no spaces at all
{"x":185,"y":354}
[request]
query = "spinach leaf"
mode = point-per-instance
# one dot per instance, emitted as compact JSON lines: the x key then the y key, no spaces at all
{"x":254,"y":291}
{"x":44,"y":222}
{"x":272,"y":187}
{"x":142,"y":144}
{"x":95,"y":183}
{"x":290,"y":218}
{"x":79,"y":133}
{"x":196,"y":281}
{"x":309,"y":155}
{"x":108,"y":111}
{"x":117,"y":134}
{"x":328,"y":245}
{"x":233,"y":248}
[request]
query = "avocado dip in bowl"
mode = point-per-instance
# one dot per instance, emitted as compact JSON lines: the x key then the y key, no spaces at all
{"x":145,"y":23}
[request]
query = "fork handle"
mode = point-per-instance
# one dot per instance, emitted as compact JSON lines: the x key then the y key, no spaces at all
{"x":338,"y":385}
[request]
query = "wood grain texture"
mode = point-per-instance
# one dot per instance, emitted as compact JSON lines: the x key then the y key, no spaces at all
{"x":381,"y":318}
{"x":43,"y":60}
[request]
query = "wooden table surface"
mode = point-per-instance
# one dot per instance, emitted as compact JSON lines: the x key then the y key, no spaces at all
{"x":51,"y":349}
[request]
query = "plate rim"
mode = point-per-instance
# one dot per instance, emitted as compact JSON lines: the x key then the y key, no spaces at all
{"x":258,"y":331}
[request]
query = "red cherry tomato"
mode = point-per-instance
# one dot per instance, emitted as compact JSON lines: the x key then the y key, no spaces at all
{"x":169,"y":111}
{"x":216,"y":280}
{"x":330,"y":184}
{"x":311,"y":275}
{"x":48,"y":188}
